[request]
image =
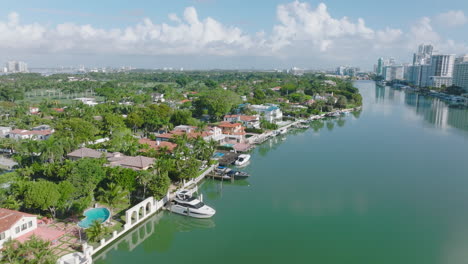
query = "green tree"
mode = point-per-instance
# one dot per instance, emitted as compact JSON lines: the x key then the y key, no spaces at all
{"x":43,"y":195}
{"x":77,"y":129}
{"x":217,"y":102}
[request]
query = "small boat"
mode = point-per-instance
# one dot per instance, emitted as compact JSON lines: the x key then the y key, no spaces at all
{"x":283,"y":131}
{"x":242,"y":160}
{"x":237,"y":174}
{"x":185,"y":204}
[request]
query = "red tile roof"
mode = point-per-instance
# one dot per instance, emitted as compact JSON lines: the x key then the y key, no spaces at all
{"x":9,"y":217}
{"x":31,"y":132}
{"x":229,"y":124}
{"x":155,"y":145}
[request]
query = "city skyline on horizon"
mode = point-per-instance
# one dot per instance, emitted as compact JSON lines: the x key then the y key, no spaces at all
{"x":203,"y":34}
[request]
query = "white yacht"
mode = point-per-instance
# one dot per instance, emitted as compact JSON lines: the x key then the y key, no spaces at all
{"x":185,"y":204}
{"x":242,"y":160}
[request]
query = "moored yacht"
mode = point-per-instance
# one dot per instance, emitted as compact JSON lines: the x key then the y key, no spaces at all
{"x":185,"y":204}
{"x":242,"y":160}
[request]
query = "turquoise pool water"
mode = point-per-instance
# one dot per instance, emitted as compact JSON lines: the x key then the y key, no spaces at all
{"x":100,"y":214}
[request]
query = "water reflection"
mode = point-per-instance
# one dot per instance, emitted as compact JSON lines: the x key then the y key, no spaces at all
{"x":158,"y":231}
{"x":213,"y":189}
{"x":431,"y":109}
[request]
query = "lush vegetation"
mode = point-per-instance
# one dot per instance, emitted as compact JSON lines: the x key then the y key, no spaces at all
{"x":33,"y":251}
{"x":45,"y":182}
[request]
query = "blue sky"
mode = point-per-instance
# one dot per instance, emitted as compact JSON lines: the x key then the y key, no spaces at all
{"x":226,"y":33}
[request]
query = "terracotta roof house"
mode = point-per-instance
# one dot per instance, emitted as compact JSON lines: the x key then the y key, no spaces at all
{"x":233,"y":132}
{"x":30,"y":134}
{"x":86,"y":153}
{"x":156,"y":145}
{"x":135,"y":163}
{"x":14,"y":224}
{"x":190,"y":131}
{"x":246,"y":120}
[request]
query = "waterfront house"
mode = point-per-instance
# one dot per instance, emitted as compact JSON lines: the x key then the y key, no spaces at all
{"x":208,"y":134}
{"x":245,"y":120}
{"x":233,"y":132}
{"x":114,"y":158}
{"x":269,"y":112}
{"x":14,"y":224}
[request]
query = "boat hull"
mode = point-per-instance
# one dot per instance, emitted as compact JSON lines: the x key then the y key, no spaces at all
{"x":191,"y":212}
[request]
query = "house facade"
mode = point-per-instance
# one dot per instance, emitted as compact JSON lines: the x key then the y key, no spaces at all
{"x":14,"y":224}
{"x":233,"y":132}
{"x":30,"y":134}
{"x":269,"y":112}
{"x":245,"y":120}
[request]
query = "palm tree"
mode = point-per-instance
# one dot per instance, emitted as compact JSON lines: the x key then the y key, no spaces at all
{"x":144,"y":179}
{"x":96,"y":231}
{"x":11,"y":203}
{"x":11,"y":252}
{"x":114,"y":195}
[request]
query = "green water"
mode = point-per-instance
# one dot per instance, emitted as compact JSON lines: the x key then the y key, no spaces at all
{"x":386,"y":185}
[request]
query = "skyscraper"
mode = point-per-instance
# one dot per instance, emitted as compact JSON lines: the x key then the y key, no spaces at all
{"x":380,"y":66}
{"x":460,"y":75}
{"x":16,"y":66}
{"x":423,"y":56}
{"x":441,"y":71}
{"x":442,"y":65}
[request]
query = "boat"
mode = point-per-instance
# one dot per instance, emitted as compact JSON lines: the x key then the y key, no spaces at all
{"x":185,"y":204}
{"x":283,"y":131}
{"x":237,"y":174}
{"x":242,"y":160}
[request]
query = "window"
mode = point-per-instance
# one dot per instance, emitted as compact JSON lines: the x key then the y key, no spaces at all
{"x":17,"y":229}
{"x":24,"y":227}
{"x":30,"y":224}
{"x":2,"y":235}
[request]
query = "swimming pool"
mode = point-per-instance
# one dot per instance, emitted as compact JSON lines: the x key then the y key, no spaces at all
{"x":100,"y":214}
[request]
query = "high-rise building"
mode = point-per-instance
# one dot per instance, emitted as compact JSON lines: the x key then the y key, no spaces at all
{"x":426,"y":73}
{"x":380,"y":66}
{"x":414,"y":75}
{"x":423,"y":56}
{"x":461,"y":59}
{"x":460,"y":75}
{"x":16,"y":66}
{"x":396,"y":72}
{"x":442,"y":65}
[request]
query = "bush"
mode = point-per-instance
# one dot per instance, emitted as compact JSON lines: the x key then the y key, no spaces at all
{"x":254,"y":130}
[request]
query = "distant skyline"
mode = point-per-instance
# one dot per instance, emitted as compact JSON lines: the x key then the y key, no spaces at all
{"x":206,"y":34}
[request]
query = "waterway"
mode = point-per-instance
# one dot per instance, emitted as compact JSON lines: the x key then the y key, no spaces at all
{"x":388,"y":184}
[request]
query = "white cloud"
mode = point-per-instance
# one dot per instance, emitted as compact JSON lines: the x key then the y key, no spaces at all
{"x":452,"y":18}
{"x":190,"y":35}
{"x":303,"y":33}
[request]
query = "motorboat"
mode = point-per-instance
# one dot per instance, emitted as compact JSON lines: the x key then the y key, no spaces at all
{"x":185,"y":204}
{"x":242,"y":160}
{"x":229,"y":174}
{"x":237,"y":174}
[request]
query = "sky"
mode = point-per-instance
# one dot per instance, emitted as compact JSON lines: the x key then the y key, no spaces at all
{"x":227,"y":34}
